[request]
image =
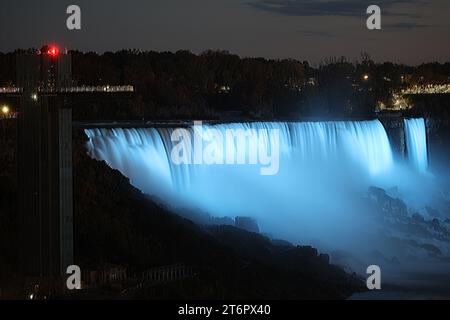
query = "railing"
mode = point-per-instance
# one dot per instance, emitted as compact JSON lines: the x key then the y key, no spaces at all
{"x":77,"y":89}
{"x":168,"y":273}
{"x":97,"y":89}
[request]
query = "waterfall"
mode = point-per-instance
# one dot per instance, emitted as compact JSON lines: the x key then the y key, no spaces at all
{"x":144,"y":153}
{"x":364,"y":142}
{"x":325,"y":170}
{"x":315,"y":156}
{"x":416,"y":143}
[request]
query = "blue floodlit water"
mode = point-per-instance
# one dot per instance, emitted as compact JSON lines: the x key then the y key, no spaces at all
{"x":416,"y":143}
{"x":324,"y":170}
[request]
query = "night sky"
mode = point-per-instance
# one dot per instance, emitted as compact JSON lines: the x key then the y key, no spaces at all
{"x":413,"y":31}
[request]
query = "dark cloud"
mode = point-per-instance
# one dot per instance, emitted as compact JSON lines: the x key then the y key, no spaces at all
{"x":348,"y":8}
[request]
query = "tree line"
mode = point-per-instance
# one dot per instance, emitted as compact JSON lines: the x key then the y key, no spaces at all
{"x":216,"y":83}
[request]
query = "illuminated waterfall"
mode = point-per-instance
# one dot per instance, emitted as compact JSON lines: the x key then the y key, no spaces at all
{"x":416,"y":143}
{"x":321,"y":165}
{"x":144,"y":154}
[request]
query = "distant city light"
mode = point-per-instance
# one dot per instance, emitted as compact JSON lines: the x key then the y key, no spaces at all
{"x":428,"y":89}
{"x":5,"y":110}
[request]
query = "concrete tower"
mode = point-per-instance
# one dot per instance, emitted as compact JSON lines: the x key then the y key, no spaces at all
{"x":45,"y":163}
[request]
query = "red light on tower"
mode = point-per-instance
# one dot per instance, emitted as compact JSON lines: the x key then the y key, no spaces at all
{"x":53,"y":51}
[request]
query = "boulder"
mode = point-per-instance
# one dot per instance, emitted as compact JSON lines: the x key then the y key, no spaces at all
{"x":246,"y":223}
{"x":388,"y":205}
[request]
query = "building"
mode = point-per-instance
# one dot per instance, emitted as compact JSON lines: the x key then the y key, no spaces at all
{"x":45,"y":163}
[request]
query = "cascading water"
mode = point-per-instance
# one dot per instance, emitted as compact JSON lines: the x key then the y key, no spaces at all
{"x":322,"y":166}
{"x":416,"y":143}
{"x":145,"y":153}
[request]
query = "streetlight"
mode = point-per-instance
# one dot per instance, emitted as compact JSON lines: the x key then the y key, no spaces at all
{"x":34,"y":96}
{"x":366,"y":77}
